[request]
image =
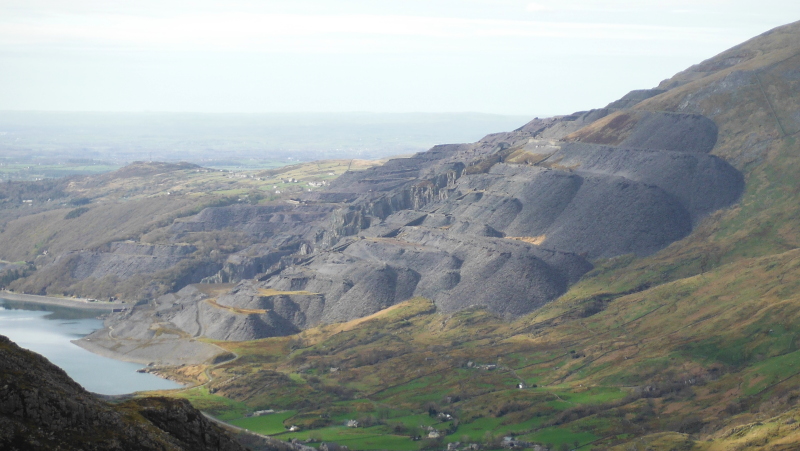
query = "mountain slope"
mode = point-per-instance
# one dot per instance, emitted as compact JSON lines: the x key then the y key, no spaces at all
{"x":106,"y":235}
{"x":686,"y":340}
{"x":691,"y":347}
{"x":508,"y":223}
{"x":536,"y":204}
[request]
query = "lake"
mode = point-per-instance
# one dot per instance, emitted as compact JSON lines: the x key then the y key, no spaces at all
{"x":48,"y":330}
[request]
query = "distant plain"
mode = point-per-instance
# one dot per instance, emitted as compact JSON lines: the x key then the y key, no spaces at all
{"x":37,"y":145}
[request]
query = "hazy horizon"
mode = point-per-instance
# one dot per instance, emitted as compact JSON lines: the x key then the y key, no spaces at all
{"x":42,"y":144}
{"x":541,"y":57}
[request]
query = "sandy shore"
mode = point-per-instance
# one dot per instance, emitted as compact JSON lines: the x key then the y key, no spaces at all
{"x":63,"y":302}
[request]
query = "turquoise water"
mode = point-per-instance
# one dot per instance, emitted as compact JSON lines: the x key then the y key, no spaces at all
{"x":48,"y":330}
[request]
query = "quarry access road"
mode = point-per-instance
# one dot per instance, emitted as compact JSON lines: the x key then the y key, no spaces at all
{"x":80,"y":303}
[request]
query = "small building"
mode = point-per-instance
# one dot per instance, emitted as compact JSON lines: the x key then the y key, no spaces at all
{"x":513,"y":443}
{"x":294,"y":428}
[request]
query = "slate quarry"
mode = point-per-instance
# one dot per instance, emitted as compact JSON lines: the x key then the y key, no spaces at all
{"x":507,"y":223}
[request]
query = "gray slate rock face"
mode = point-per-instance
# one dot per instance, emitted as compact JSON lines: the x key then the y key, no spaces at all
{"x":261,"y":221}
{"x":507,"y":223}
{"x":127,"y":259}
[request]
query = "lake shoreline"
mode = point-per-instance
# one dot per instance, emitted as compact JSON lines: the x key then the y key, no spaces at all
{"x":80,"y":303}
{"x":161,"y":351}
{"x":55,"y":336}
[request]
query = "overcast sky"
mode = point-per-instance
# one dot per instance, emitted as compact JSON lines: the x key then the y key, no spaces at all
{"x":494,"y":56}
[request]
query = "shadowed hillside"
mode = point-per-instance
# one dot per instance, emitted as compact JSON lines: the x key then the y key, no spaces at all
{"x":41,"y":408}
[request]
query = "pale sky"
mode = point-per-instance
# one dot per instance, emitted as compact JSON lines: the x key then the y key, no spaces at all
{"x":493,"y":56}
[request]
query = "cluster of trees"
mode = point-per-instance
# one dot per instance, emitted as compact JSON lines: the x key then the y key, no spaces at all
{"x":39,"y":191}
{"x":10,"y":273}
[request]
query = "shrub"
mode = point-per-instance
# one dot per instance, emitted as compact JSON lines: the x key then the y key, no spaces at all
{"x":400,"y":429}
{"x":80,"y":201}
{"x":76,"y":212}
{"x":432,"y":443}
{"x":512,"y":406}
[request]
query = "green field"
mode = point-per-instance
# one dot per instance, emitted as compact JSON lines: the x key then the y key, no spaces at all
{"x":269,"y":424}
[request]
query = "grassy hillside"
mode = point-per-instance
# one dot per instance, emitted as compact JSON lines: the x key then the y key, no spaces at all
{"x":692,"y":348}
{"x":700,"y":356}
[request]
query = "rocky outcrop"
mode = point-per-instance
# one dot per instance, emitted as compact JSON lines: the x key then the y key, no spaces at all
{"x":257,"y":259}
{"x":41,"y":408}
{"x":186,"y":424}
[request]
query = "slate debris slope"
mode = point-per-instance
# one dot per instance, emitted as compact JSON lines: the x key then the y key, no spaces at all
{"x":507,"y":223}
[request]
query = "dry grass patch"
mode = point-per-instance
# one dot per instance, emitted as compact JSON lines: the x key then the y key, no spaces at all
{"x":239,"y":311}
{"x":214,"y":289}
{"x":535,"y":240}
